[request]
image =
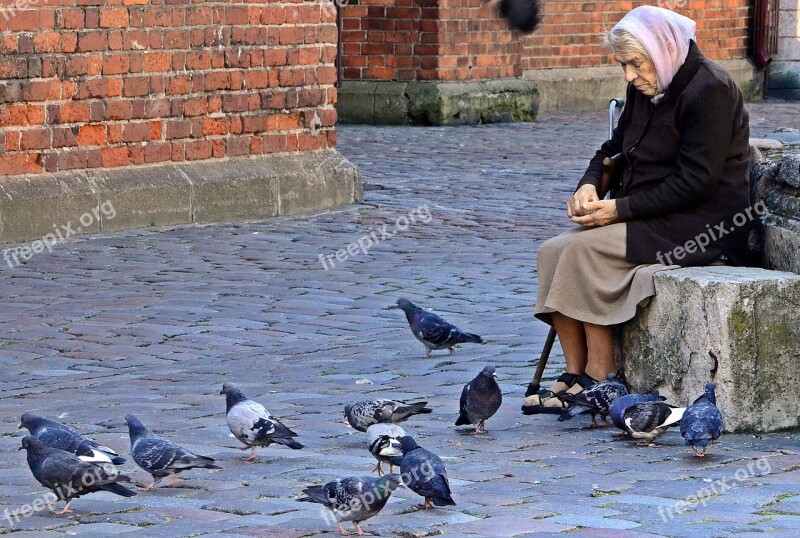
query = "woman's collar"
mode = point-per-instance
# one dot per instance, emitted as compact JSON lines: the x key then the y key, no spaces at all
{"x":685,"y":73}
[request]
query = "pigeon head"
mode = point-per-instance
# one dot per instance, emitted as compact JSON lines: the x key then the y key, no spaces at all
{"x":711,"y":393}
{"x":31,"y":443}
{"x":405,"y":305}
{"x":407,"y":444}
{"x":347,"y":409}
{"x":232,"y":395}
{"x":135,"y":426}
{"x":30,"y":421}
{"x":488,"y":371}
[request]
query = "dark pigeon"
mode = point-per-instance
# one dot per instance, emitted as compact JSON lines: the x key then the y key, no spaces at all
{"x":433,"y":331}
{"x":424,"y":474}
{"x":362,"y":415}
{"x":621,"y":404}
{"x":596,"y":400}
{"x":648,"y":420}
{"x":702,"y":422}
{"x":57,"y":435}
{"x":522,"y":15}
{"x":160,"y":457}
{"x":383,"y":441}
{"x":67,"y":475}
{"x":251,"y":424}
{"x":480,"y":400}
{"x":353,"y":499}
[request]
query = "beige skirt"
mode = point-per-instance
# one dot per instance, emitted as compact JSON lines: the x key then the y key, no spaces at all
{"x":583,"y":274}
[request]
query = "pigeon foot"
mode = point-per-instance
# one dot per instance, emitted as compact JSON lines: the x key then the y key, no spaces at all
{"x":360,"y":531}
{"x":452,"y":350}
{"x":63,"y":511}
{"x":378,"y":469}
{"x":426,"y":505}
{"x":251,"y":457}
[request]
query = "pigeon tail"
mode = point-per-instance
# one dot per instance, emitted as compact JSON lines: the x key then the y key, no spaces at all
{"x":291,"y":443}
{"x":573,"y":412}
{"x":469,"y":338}
{"x":440,"y":501}
{"x":120,"y":490}
{"x":316,"y":494}
{"x":462,"y":420}
{"x":204,"y":462}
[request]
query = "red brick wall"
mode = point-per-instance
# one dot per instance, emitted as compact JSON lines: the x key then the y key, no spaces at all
{"x":426,"y":40}
{"x":91,"y":83}
{"x":569,"y":33}
{"x":462,"y":39}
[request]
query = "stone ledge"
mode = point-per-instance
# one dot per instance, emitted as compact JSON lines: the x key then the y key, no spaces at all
{"x":590,"y":88}
{"x":737,"y":327}
{"x":163,"y":195}
{"x":437,"y":103}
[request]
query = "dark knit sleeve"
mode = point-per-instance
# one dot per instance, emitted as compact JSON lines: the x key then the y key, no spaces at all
{"x":594,"y":172}
{"x":705,"y":120}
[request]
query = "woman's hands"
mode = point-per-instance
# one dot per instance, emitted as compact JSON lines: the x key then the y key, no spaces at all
{"x":586,"y":209}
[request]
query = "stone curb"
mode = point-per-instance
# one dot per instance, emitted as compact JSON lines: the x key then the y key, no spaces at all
{"x":31,"y":207}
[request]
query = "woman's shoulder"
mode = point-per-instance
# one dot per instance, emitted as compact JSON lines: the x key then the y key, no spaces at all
{"x":710,"y":76}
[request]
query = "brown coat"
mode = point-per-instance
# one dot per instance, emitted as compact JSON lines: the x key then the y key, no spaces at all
{"x":685,"y":168}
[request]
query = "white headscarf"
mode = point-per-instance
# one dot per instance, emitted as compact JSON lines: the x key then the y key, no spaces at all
{"x":665,"y":36}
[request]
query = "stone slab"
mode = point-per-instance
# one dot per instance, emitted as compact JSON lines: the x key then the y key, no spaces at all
{"x":730,"y":325}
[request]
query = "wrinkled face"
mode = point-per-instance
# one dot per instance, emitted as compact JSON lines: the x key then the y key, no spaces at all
{"x":640,"y":71}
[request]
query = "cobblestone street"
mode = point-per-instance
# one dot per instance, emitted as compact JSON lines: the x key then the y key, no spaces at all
{"x":153,"y":322}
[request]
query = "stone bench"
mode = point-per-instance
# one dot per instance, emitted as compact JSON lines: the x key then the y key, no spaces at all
{"x":736,"y":326}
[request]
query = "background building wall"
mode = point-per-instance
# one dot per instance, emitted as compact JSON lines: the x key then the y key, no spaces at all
{"x":91,"y":83}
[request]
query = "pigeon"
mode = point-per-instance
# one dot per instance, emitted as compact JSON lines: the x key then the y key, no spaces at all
{"x":57,"y":435}
{"x":353,"y":499}
{"x":251,"y":424}
{"x":383,"y":441}
{"x":433,"y":331}
{"x":648,"y":420}
{"x":424,"y":474}
{"x":702,"y":422}
{"x":522,"y":15}
{"x":160,"y":457}
{"x":596,"y":400}
{"x":480,"y":400}
{"x":67,"y":475}
{"x":621,"y":404}
{"x":362,"y":415}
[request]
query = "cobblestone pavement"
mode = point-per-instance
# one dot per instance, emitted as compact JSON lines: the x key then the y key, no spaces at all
{"x":152,"y":322}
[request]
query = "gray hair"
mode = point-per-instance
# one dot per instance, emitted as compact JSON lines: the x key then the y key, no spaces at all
{"x":622,"y":43}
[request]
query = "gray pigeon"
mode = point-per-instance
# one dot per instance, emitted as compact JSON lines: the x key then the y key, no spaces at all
{"x":362,"y":415}
{"x":383,"y":441}
{"x":67,"y":475}
{"x":432,"y":330}
{"x":353,"y":499}
{"x":424,"y":474}
{"x":648,"y":420}
{"x":161,"y":457}
{"x":480,"y":400}
{"x":702,"y":422}
{"x":56,"y":435}
{"x":621,"y":404}
{"x":251,"y":424}
{"x":596,"y":400}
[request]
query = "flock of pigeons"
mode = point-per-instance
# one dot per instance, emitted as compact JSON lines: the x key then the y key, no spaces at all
{"x":71,"y":465}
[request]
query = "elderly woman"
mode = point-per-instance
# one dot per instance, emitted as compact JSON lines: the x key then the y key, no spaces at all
{"x":683,"y":136}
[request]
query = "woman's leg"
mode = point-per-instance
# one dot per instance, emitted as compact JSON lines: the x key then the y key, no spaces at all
{"x":573,"y":338}
{"x":600,"y":354}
